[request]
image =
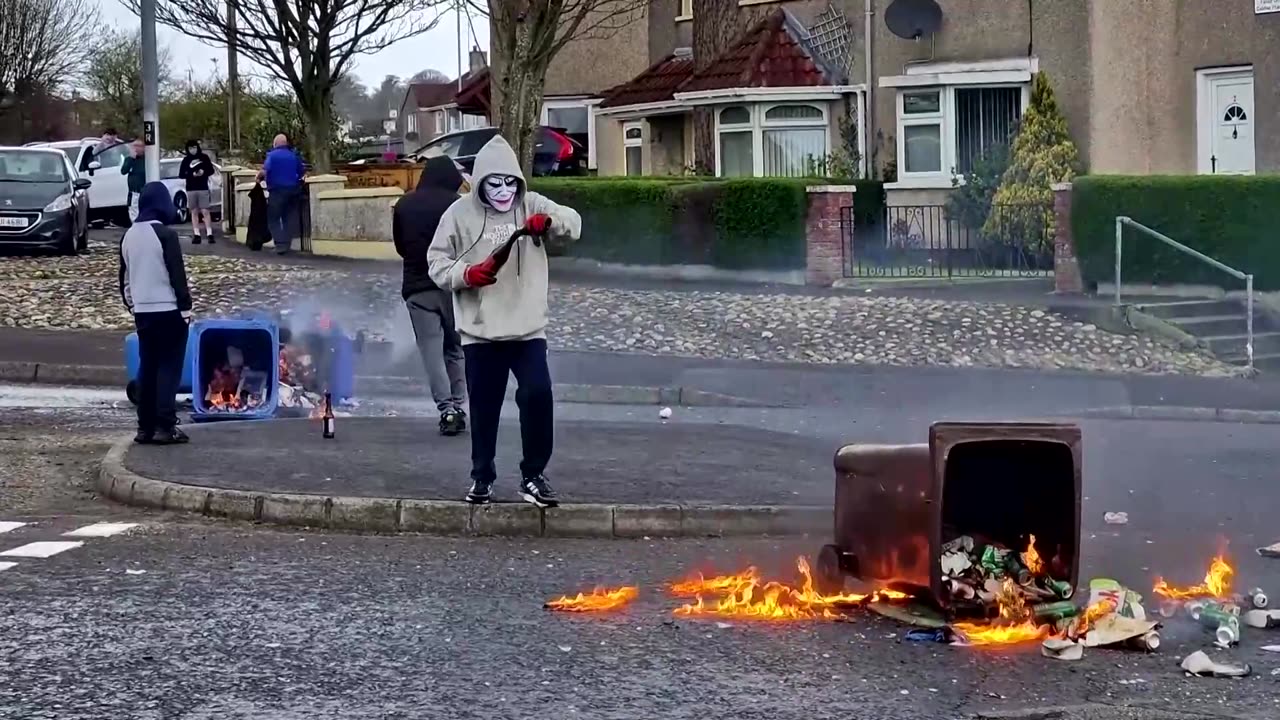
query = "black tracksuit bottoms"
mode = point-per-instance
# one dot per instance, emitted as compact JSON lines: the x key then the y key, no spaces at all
{"x":162,"y":348}
{"x":488,"y":365}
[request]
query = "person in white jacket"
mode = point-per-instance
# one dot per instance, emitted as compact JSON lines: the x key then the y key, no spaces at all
{"x":500,"y":309}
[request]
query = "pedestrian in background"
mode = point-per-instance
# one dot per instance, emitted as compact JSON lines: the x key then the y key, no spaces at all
{"x":153,"y":285}
{"x":413,"y":224}
{"x":195,"y":170}
{"x":110,"y":138}
{"x":135,"y":167}
{"x":282,"y":172}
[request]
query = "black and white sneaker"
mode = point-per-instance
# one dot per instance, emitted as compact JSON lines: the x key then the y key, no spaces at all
{"x":452,"y":422}
{"x":481,"y":492}
{"x":538,"y":491}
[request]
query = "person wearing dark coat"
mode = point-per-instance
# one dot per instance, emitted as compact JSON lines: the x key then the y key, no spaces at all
{"x":413,"y":225}
{"x":259,"y":230}
{"x":153,"y":285}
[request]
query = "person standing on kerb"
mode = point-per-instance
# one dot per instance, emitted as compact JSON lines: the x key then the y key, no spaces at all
{"x":282,"y":171}
{"x":501,"y":311}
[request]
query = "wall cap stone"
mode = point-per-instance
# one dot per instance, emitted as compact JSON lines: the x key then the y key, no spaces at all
{"x":831,"y":188}
{"x":356,"y":193}
{"x":324,"y":178}
{"x":1058,"y":187}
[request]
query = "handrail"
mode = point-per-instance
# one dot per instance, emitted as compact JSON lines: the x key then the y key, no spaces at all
{"x":1121,"y":221}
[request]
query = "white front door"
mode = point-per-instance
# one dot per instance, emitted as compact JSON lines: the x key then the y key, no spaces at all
{"x":1227,"y":124}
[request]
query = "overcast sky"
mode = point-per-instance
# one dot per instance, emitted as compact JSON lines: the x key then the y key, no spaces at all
{"x":436,"y":49}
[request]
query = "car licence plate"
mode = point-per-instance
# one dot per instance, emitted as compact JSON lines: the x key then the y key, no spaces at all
{"x":13,"y":222}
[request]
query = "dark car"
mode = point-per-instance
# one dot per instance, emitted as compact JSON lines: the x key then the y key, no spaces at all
{"x":554,"y":153}
{"x":44,"y":205}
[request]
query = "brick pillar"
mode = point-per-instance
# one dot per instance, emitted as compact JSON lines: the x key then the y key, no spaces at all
{"x":1066,"y":268}
{"x":826,"y":238}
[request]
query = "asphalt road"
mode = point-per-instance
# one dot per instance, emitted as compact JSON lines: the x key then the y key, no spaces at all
{"x":236,"y":621}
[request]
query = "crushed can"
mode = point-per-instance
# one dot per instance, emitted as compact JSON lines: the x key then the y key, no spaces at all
{"x":1227,"y":635}
{"x":1054,"y":611}
{"x":1061,"y":588}
{"x":1258,"y":599}
{"x":993,"y":561}
{"x":1016,"y":570}
{"x":1225,"y":626}
{"x":1147,"y":642}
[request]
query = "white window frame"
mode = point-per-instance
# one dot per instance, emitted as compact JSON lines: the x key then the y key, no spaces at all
{"x":1206,"y":114}
{"x":685,"y":10}
{"x":630,"y":143}
{"x":757,"y":124}
{"x":946,"y":117}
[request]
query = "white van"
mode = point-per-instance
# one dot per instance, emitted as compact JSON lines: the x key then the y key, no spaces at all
{"x":109,"y":194}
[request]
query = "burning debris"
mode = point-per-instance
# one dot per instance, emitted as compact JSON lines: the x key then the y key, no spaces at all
{"x":598,"y":600}
{"x":1217,"y":584}
{"x":745,"y":595}
{"x":235,"y":388}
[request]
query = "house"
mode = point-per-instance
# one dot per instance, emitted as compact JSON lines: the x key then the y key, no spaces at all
{"x":433,"y":109}
{"x":1146,"y":87}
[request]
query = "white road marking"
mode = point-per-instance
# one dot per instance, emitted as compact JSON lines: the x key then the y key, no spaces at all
{"x":6,"y":526}
{"x":41,"y":549}
{"x":6,"y":565}
{"x":97,"y":530}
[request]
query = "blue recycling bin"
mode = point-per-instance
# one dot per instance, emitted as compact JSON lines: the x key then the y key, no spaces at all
{"x":258,"y":339}
{"x":335,"y":355}
{"x":132,"y":359}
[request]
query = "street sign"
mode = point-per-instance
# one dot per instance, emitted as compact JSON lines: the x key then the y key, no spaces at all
{"x":148,"y":132}
{"x":1265,"y":6}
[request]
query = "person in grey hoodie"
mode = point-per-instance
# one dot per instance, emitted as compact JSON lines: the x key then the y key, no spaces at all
{"x":500,"y":310}
{"x":153,"y":285}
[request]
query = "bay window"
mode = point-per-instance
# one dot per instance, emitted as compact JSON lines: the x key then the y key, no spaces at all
{"x":944,"y":131}
{"x":633,"y":143}
{"x":782,"y":140}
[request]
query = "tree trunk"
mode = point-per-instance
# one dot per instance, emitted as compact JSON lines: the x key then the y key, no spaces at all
{"x":716,"y":25}
{"x":318,"y":109}
{"x":521,"y":90}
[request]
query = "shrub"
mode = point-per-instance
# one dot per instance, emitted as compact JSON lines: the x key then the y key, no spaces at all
{"x":1228,"y":218}
{"x":736,"y":223}
{"x":1041,"y":156}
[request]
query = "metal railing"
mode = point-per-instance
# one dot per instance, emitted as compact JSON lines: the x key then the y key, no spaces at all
{"x":1121,"y":221}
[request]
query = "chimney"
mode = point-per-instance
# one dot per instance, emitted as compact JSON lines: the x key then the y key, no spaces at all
{"x":479,"y":59}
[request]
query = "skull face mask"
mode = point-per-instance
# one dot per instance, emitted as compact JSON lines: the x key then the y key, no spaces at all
{"x":499,"y":191}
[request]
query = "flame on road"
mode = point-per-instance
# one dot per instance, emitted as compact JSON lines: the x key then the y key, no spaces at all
{"x":1015,"y":624}
{"x":745,"y":595}
{"x":598,"y":600}
{"x":1217,"y":584}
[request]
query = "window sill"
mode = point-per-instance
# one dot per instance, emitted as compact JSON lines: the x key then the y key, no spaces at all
{"x":921,"y":183}
{"x":684,"y":18}
{"x":757,"y":2}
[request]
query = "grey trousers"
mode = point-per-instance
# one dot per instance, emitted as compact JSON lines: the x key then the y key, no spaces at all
{"x":440,"y":347}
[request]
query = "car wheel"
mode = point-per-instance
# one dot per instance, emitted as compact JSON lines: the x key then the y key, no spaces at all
{"x":131,"y":391}
{"x":180,"y":204}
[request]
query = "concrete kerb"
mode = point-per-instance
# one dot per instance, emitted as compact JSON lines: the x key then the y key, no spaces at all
{"x":1197,"y":414}
{"x":442,"y":517}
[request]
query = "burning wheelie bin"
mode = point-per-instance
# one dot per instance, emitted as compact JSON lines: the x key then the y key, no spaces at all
{"x":1005,"y":486}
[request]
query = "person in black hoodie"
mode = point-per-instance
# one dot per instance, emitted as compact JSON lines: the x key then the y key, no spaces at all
{"x":195,"y":171}
{"x":413,"y":225}
{"x":153,"y":285}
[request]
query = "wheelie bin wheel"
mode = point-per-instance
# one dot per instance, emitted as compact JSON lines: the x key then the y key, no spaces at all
{"x":131,"y":391}
{"x":828,"y":575}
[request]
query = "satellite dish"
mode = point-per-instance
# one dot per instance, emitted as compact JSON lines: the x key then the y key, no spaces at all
{"x":913,"y":19}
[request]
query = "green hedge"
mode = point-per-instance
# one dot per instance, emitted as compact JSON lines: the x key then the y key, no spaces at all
{"x":732,"y":224}
{"x":1229,"y":218}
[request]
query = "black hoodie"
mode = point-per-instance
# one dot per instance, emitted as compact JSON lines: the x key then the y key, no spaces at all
{"x":195,"y":168}
{"x":416,"y":215}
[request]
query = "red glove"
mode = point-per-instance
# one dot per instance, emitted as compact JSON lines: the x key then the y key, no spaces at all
{"x":481,"y":274}
{"x":538,"y":224}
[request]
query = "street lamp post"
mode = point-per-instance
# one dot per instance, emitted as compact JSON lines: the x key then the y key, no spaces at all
{"x":150,"y":91}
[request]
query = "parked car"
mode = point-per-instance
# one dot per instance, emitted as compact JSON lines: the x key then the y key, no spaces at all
{"x":178,"y":188}
{"x":554,"y":153}
{"x":44,"y":204}
{"x":109,"y":195}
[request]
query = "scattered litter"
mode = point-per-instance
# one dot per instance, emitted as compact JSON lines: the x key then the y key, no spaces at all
{"x":273,"y":645}
{"x":933,"y":635}
{"x":1264,"y":619}
{"x":1271,"y":551}
{"x":995,"y":695}
{"x":665,"y":413}
{"x":724,"y":625}
{"x":1270,"y":648}
{"x":1061,"y":649}
{"x":565,"y":648}
{"x":1275,"y":672}
{"x":135,"y":572}
{"x":1116,"y":518}
{"x":1198,"y":663}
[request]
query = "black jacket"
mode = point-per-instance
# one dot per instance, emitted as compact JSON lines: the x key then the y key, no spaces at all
{"x":416,"y":216}
{"x":195,"y":170}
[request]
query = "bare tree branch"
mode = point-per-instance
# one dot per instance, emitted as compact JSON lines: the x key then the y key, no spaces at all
{"x":44,"y":44}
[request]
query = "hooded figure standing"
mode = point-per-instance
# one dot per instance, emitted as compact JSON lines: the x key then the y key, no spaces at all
{"x":413,"y":225}
{"x":153,"y":285}
{"x":501,"y":311}
{"x":195,"y":171}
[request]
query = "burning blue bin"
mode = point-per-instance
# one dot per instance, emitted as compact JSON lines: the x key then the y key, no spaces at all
{"x":132,"y":359}
{"x":334,"y":354}
{"x":259,"y":342}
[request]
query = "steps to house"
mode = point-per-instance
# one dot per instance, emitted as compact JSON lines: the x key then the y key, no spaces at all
{"x":1222,"y":325}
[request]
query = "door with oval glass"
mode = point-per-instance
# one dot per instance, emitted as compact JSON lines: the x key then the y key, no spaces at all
{"x":1227,"y":114}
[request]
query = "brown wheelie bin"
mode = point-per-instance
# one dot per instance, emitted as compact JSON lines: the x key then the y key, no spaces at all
{"x":895,"y":505}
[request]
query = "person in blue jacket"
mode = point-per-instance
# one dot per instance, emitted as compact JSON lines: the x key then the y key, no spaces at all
{"x":282,"y":172}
